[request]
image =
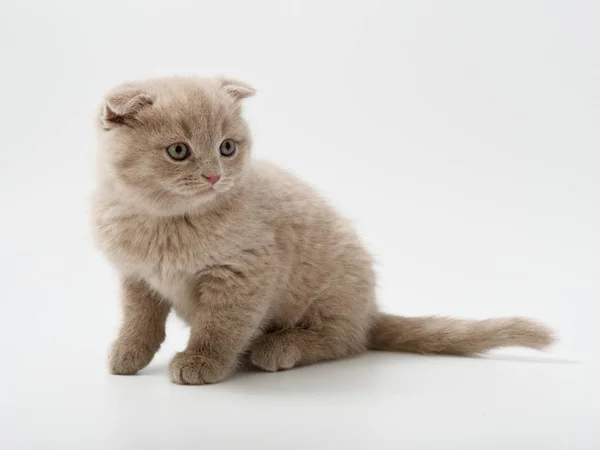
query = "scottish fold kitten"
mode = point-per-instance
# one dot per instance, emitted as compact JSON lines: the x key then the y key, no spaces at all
{"x":251,"y":258}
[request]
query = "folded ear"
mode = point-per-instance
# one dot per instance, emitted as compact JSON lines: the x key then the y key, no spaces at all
{"x":122,"y":104}
{"x":236,"y":89}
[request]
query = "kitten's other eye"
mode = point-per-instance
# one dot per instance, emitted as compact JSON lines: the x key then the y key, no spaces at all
{"x":178,"y":151}
{"x":227,"y":147}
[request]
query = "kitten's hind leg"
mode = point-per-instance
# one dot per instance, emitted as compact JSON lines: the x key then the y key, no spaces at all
{"x":300,"y":346}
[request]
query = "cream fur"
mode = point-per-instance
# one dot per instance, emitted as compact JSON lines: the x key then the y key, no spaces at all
{"x":258,"y":263}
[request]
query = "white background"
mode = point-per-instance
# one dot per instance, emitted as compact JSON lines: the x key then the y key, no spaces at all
{"x":464,"y":139}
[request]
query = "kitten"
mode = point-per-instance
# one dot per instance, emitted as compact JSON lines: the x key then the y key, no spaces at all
{"x":247,"y":255}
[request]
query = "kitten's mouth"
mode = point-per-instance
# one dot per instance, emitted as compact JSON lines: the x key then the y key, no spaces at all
{"x":190,"y":192}
{"x":201,"y":192}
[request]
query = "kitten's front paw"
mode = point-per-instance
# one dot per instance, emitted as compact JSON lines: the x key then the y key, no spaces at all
{"x":194,"y":368}
{"x":127,"y":359}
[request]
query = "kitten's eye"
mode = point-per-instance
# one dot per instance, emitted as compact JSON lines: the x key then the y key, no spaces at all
{"x":178,"y":151}
{"x":227,"y":147}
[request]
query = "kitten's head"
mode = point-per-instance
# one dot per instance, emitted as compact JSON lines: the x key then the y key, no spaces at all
{"x":171,"y":145}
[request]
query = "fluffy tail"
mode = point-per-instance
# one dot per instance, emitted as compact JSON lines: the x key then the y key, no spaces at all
{"x":444,"y":335}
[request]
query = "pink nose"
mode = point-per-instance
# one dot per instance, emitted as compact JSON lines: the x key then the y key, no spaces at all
{"x":212,"y":179}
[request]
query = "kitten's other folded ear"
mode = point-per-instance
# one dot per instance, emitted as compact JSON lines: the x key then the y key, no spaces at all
{"x":122,"y":104}
{"x":238,"y":90}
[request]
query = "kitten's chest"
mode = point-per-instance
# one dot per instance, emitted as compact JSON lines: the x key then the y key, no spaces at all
{"x":175,"y":287}
{"x":168,"y":254}
{"x":162,"y":249}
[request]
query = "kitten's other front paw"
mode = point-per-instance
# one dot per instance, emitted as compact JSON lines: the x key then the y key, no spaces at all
{"x":194,"y":368}
{"x":128,"y":359}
